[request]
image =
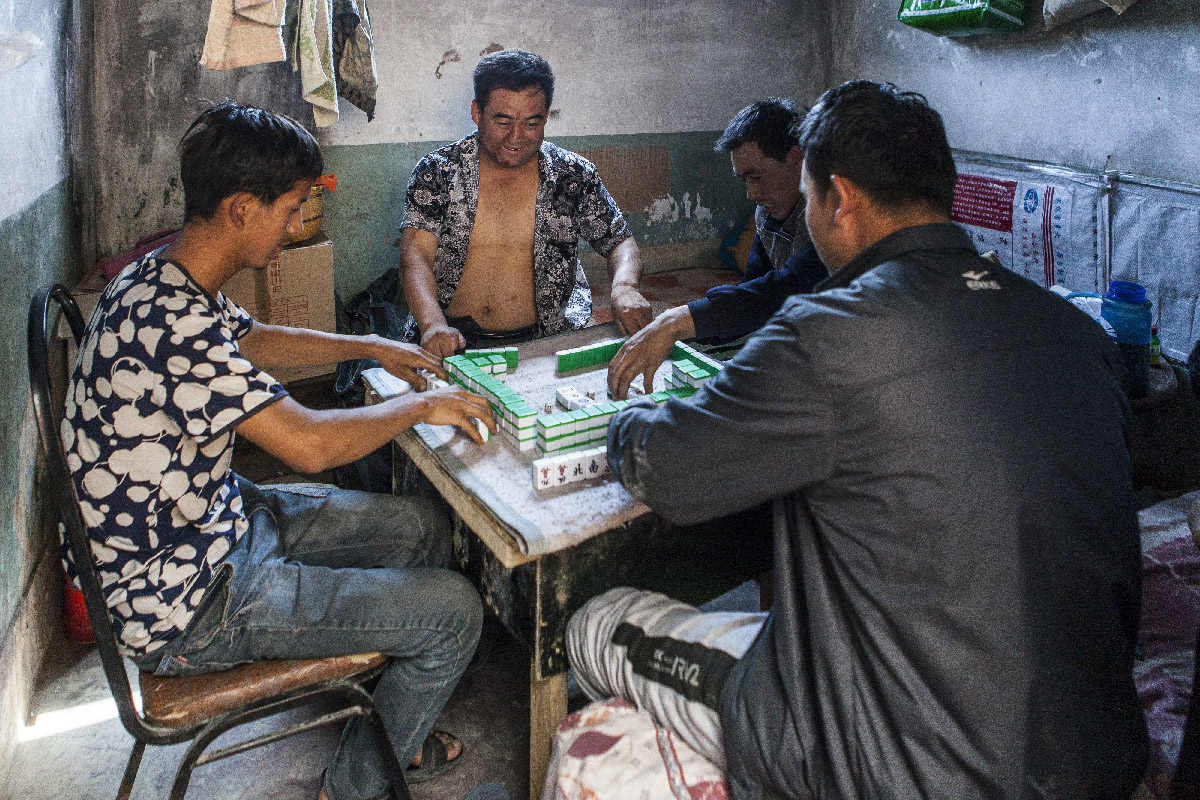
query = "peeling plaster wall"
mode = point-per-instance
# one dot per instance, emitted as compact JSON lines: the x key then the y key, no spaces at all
{"x":642,"y":89}
{"x":1102,"y":92}
{"x":37,"y":231}
{"x":621,"y":66}
{"x":149,"y":88}
{"x":630,"y":75}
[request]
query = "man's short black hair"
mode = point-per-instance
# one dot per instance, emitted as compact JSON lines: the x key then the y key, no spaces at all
{"x":232,"y":148}
{"x":889,"y":142}
{"x":768,"y":123}
{"x":515,"y":70}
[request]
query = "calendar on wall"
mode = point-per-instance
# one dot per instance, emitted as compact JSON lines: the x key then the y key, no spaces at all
{"x":1044,"y":223}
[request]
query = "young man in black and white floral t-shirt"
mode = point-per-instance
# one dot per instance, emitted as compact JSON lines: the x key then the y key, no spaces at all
{"x":204,"y":570}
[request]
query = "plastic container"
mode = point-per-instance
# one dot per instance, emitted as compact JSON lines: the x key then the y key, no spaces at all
{"x":1127,"y":309}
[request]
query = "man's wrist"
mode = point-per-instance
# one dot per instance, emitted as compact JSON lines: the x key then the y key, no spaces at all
{"x":428,"y":325}
{"x":679,"y":322}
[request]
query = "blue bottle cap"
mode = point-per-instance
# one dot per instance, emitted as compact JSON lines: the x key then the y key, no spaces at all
{"x":1126,"y":292}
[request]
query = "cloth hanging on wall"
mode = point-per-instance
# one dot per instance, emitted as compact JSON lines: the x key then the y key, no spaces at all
{"x":354,"y":55}
{"x":314,"y":59}
{"x":1060,"y":12}
{"x":243,"y":32}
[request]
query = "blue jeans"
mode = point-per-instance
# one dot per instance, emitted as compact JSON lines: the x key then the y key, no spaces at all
{"x":323,"y":572}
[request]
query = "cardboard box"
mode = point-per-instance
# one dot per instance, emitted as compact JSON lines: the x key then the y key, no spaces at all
{"x":294,"y":290}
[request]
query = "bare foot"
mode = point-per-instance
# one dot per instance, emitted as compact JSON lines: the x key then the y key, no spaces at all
{"x":453,"y":750}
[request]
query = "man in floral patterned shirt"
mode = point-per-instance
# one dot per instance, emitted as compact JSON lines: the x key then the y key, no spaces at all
{"x":202,"y":569}
{"x":490,"y":236}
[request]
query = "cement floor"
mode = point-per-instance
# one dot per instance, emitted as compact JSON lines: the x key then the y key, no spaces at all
{"x":489,"y":711}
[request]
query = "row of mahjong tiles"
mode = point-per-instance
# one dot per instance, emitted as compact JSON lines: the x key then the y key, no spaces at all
{"x":584,"y":424}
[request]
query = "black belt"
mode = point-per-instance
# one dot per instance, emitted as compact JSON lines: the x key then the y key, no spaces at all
{"x":471,"y":331}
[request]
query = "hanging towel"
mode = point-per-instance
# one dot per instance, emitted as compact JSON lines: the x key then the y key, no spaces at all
{"x":354,"y":55}
{"x":243,"y":32}
{"x":314,"y":59}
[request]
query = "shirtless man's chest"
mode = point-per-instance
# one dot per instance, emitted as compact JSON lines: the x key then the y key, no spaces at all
{"x":496,"y":287}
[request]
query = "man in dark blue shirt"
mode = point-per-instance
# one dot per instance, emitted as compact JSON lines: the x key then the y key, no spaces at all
{"x":782,"y":262}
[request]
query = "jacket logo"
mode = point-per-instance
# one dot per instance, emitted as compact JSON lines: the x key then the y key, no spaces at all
{"x":975,"y":281}
{"x":676,"y":667}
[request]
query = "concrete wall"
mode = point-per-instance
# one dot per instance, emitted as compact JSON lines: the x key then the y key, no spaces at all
{"x":149,"y":88}
{"x":639,"y":84}
{"x":37,"y":245}
{"x":642,"y":89}
{"x":1103,"y":92}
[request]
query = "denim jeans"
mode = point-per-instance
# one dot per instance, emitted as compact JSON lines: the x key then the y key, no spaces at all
{"x":323,"y":572}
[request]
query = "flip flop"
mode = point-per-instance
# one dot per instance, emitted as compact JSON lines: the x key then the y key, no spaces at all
{"x":434,"y":761}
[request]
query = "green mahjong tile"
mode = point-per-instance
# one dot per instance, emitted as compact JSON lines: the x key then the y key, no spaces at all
{"x":495,"y":359}
{"x":510,"y":357}
{"x":682,"y":391}
{"x":659,"y":397}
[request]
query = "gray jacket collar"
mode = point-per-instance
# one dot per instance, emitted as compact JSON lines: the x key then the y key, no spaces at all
{"x":937,"y":236}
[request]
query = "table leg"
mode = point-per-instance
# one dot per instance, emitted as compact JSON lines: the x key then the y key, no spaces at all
{"x":547,"y":705}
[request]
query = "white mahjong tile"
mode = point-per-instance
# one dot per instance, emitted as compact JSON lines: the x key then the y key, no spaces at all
{"x":562,"y":464}
{"x":596,"y":463}
{"x":578,"y":467}
{"x":543,"y":469}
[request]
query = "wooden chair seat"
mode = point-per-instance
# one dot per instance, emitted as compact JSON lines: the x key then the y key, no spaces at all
{"x":176,"y":702}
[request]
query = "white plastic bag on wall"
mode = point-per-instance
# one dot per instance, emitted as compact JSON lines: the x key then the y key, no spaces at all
{"x":1060,"y":12}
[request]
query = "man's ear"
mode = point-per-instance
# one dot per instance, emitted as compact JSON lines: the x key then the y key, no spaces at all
{"x":238,"y":208}
{"x":476,"y":112}
{"x":795,"y":158}
{"x":848,"y":197}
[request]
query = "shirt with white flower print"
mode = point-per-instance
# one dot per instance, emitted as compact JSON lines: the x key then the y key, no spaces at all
{"x":572,"y":204}
{"x":154,"y":396}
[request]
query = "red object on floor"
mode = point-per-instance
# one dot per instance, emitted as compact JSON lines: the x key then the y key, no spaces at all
{"x":75,"y":616}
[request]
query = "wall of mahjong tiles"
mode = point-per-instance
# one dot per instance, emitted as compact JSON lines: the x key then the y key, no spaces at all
{"x":566,"y":436}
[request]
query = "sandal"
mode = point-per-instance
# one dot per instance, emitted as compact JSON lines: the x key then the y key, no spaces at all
{"x":435,"y":758}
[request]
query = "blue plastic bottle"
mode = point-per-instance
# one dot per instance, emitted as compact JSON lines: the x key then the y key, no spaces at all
{"x":1127,"y":309}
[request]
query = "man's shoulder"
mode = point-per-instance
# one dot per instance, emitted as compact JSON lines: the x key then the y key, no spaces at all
{"x":144,"y":281}
{"x":451,"y":156}
{"x":567,"y":161}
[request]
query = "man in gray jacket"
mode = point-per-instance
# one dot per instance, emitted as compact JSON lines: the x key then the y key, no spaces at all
{"x":956,"y":554}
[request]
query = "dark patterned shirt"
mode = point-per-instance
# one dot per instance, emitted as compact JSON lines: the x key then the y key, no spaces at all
{"x":156,"y":392}
{"x":572,"y":204}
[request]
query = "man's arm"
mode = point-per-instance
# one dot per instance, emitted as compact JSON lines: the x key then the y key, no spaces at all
{"x":759,"y":430}
{"x":646,"y":350}
{"x":417,"y":251}
{"x":268,"y":346}
{"x":631,"y":311}
{"x":310,"y":441}
{"x":725,"y":312}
